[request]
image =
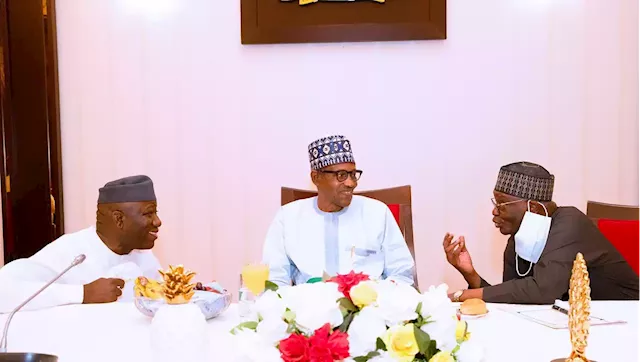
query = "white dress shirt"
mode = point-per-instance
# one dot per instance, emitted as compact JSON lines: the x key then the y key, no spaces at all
{"x":22,"y":277}
{"x":303,"y":242}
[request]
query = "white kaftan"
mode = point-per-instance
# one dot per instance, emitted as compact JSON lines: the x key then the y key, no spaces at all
{"x":303,"y":242}
{"x":22,"y":277}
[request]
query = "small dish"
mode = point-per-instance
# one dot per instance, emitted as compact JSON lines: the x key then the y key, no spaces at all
{"x":211,"y":302}
{"x":470,"y":316}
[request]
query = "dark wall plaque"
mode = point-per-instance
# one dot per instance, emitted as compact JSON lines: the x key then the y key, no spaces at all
{"x":276,"y":21}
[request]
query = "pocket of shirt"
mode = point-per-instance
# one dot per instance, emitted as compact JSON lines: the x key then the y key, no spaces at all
{"x":364,"y":252}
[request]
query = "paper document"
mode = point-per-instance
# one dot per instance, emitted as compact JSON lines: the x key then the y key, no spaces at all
{"x":556,"y":316}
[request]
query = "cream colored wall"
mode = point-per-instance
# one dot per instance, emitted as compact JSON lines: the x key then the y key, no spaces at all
{"x":165,"y":88}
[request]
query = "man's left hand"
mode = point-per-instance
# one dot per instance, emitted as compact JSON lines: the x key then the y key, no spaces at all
{"x":468,"y":294}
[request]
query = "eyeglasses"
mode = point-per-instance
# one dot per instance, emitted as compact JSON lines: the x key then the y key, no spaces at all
{"x":342,"y":175}
{"x":500,"y":205}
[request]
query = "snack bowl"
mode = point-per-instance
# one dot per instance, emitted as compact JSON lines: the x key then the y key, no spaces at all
{"x":212,"y":302}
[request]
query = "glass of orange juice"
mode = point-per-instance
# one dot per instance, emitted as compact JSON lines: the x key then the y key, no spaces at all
{"x":254,"y":277}
{"x":252,"y":283}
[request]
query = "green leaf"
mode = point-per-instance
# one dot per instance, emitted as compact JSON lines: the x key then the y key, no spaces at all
{"x":347,"y":304}
{"x":380,"y":344}
{"x":431,"y":351}
{"x":269,"y":285}
{"x":347,"y":321}
{"x":369,"y":356}
{"x":419,"y":309}
{"x":422,"y":321}
{"x":246,"y":325}
{"x":291,"y":328}
{"x":422,"y":338}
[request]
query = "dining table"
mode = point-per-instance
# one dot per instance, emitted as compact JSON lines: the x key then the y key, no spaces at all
{"x":119,"y":332}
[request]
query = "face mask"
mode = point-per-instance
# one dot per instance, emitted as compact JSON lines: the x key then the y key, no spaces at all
{"x":532,"y":237}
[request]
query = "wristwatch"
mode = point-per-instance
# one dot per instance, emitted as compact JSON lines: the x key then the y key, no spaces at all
{"x":457,"y":295}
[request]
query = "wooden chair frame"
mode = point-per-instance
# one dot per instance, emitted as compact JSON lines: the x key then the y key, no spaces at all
{"x":600,"y":210}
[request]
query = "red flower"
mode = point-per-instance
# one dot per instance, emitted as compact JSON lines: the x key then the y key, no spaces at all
{"x":346,"y":282}
{"x":294,"y":348}
{"x":327,"y":346}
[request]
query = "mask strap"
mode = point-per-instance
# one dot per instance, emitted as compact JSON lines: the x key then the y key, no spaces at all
{"x":546,"y":213}
{"x":518,"y":269}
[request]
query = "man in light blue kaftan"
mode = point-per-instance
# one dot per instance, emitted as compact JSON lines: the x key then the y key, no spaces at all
{"x":335,"y":232}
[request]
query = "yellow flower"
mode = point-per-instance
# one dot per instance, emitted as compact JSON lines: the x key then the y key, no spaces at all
{"x":461,"y":332}
{"x":442,"y":356}
{"x":363,"y":294}
{"x":401,"y":342}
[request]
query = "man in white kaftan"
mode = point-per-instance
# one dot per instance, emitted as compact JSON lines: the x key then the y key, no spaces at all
{"x":117,"y":251}
{"x":335,"y":232}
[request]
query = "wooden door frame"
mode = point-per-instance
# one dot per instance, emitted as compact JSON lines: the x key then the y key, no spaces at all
{"x":7,"y":119}
{"x":53,"y":106}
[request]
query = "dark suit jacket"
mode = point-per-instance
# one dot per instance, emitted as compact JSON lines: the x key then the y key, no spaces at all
{"x":571,"y":232}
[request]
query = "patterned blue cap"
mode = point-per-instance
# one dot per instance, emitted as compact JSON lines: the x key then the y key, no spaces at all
{"x":329,"y":151}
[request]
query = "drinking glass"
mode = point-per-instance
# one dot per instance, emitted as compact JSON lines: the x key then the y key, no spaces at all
{"x":252,"y":283}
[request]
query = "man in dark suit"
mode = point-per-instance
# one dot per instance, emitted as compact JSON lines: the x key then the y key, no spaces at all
{"x":544,"y":240}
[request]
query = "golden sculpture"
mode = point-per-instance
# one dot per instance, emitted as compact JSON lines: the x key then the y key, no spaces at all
{"x":177,"y":288}
{"x":579,"y":310}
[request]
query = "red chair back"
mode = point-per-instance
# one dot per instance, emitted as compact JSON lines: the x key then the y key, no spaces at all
{"x":619,"y":224}
{"x":395,"y":210}
{"x":623,"y":234}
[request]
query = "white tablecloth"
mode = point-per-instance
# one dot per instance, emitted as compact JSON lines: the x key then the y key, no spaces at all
{"x":118,"y":332}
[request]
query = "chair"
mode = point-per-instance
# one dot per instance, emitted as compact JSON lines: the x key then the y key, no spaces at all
{"x":619,"y":224}
{"x":398,"y":199}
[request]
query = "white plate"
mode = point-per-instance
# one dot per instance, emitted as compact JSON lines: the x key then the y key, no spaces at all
{"x":468,"y":316}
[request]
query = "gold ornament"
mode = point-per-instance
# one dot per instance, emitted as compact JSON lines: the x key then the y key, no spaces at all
{"x":177,"y":288}
{"x":579,"y":310}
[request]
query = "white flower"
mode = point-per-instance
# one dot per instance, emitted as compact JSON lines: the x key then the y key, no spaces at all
{"x":438,"y":309}
{"x":269,"y":305}
{"x":383,"y":357}
{"x":436,"y":305}
{"x":314,"y":305}
{"x":443,"y":331}
{"x":272,"y":330}
{"x":364,"y":330}
{"x":251,"y":347}
{"x":470,"y":351}
{"x":397,"y":302}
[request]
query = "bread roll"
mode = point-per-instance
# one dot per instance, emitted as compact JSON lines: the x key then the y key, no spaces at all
{"x":473,"y":306}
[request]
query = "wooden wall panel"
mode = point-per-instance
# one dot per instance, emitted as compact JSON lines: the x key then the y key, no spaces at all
{"x":275,"y":21}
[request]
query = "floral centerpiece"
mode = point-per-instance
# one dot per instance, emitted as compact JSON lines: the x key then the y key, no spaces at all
{"x":352,"y":318}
